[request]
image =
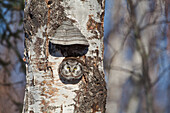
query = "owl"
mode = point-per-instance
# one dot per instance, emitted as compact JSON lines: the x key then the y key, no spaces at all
{"x":71,"y":69}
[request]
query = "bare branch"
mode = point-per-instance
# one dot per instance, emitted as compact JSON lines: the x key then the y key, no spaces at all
{"x":161,"y":75}
{"x":117,"y":68}
{"x":154,"y":23}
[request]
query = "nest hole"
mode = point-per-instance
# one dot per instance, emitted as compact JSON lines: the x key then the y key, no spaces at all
{"x":74,"y":50}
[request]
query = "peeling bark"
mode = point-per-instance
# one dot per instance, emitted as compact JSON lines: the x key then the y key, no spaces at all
{"x":45,"y":92}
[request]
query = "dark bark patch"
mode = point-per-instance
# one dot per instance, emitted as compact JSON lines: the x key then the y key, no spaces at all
{"x":35,"y":16}
{"x":42,"y":66}
{"x":37,"y":46}
{"x":31,"y":16}
{"x":92,"y":25}
{"x":49,"y":2}
{"x":100,"y":1}
{"x":92,"y":95}
{"x":57,"y":16}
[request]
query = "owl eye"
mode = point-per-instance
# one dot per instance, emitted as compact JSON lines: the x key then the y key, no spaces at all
{"x":75,"y":68}
{"x":68,"y":67}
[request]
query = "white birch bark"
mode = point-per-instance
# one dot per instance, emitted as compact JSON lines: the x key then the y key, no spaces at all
{"x":45,"y":92}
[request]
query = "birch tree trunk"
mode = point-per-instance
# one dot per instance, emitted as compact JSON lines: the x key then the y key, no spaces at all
{"x":45,"y":91}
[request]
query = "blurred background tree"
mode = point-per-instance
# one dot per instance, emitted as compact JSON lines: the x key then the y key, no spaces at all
{"x":137,"y":56}
{"x":12,"y":68}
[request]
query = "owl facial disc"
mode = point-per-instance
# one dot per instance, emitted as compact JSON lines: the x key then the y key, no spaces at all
{"x":71,"y":69}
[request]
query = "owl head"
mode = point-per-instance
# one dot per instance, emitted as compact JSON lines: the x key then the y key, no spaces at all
{"x":71,"y":69}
